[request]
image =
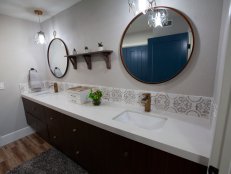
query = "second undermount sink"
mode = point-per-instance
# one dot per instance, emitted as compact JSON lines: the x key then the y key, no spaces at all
{"x":145,"y":121}
{"x":42,"y":93}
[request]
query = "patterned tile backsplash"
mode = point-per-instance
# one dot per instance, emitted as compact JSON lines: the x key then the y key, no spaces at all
{"x":175,"y":103}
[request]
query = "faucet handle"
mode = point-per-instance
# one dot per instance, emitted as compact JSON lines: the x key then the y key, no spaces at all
{"x":146,"y":101}
{"x":146,"y":95}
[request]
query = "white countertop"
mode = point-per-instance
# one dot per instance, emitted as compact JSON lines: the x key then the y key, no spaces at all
{"x":178,"y":136}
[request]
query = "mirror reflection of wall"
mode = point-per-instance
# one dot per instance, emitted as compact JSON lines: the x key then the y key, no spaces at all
{"x":155,"y":55}
{"x":56,"y":57}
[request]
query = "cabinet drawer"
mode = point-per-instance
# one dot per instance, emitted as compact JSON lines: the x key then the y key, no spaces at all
{"x":34,"y":109}
{"x":54,"y":117}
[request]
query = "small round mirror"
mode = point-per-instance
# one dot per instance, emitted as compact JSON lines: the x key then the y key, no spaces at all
{"x":57,"y":57}
{"x":154,"y":52}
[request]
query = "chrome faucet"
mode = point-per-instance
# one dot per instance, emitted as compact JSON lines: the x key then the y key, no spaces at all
{"x":146,"y":101}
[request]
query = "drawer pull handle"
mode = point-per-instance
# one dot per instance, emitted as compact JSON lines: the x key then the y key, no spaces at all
{"x":125,"y":154}
{"x":54,"y":137}
{"x":74,"y":130}
{"x":77,"y":152}
{"x":73,"y":96}
{"x":51,"y":118}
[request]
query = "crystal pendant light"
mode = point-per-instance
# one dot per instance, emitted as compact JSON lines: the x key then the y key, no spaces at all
{"x":138,"y":6}
{"x":156,"y":17}
{"x":40,"y":36}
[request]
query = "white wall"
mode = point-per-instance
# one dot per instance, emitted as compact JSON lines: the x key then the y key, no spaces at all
{"x":18,"y":55}
{"x":224,"y":32}
{"x":222,"y":84}
{"x":92,"y":21}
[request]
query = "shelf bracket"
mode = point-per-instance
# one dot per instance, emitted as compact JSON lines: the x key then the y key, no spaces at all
{"x":73,"y":60}
{"x":87,"y":59}
{"x":107,"y":60}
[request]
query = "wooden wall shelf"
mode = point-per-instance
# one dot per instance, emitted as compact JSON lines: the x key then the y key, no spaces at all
{"x":88,"y":58}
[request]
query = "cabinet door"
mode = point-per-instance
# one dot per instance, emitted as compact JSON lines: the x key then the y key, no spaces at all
{"x":56,"y":128}
{"x":96,"y":150}
{"x":139,"y":158}
{"x":177,"y":165}
{"x":77,"y":146}
{"x":39,"y":126}
{"x":156,"y":161}
{"x":34,"y":109}
{"x":118,"y":154}
{"x":164,"y":163}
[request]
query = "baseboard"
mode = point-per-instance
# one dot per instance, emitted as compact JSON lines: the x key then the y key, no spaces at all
{"x":11,"y":137}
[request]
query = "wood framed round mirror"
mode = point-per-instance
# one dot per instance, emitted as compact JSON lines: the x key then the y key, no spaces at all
{"x":57,"y":57}
{"x":155,"y":55}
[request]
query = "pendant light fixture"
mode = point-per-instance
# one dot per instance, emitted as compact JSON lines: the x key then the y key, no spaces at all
{"x":156,"y":17}
{"x":138,"y":6}
{"x":40,"y":36}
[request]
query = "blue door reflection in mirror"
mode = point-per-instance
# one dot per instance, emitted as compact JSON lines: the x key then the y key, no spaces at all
{"x":169,"y":55}
{"x":136,"y":59}
{"x":157,"y":55}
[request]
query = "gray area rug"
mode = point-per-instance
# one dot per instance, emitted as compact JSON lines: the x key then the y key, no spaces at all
{"x":49,"y":162}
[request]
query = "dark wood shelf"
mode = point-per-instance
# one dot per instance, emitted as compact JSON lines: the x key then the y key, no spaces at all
{"x":88,"y":58}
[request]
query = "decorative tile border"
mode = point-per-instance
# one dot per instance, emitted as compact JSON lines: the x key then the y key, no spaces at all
{"x":183,"y":104}
{"x":187,"y":105}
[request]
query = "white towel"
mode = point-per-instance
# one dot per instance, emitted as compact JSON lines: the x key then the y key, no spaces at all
{"x":35,"y":81}
{"x":58,"y":72}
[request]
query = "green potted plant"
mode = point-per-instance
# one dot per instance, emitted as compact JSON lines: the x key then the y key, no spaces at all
{"x":95,"y":96}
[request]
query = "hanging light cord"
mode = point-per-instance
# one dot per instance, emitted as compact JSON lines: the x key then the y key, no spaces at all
{"x":151,"y":3}
{"x":53,"y":27}
{"x":39,"y":13}
{"x":40,"y":23}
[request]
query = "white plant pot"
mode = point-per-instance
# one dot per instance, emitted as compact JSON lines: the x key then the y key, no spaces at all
{"x":100,"y":48}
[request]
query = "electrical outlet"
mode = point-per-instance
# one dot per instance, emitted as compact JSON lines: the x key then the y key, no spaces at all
{"x":2,"y":86}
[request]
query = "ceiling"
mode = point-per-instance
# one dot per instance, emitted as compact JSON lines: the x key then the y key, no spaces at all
{"x":24,"y":9}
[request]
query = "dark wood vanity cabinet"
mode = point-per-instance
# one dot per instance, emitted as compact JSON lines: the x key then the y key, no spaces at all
{"x":100,"y":151}
{"x":36,"y":118}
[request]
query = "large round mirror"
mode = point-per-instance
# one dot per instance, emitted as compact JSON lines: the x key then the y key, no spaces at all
{"x":155,"y":54}
{"x":57,"y":57}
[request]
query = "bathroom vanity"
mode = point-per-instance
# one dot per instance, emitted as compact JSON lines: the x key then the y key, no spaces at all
{"x":91,"y":137}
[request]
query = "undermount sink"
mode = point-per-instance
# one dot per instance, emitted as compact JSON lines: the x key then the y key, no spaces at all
{"x":148,"y":122}
{"x":40,"y":93}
